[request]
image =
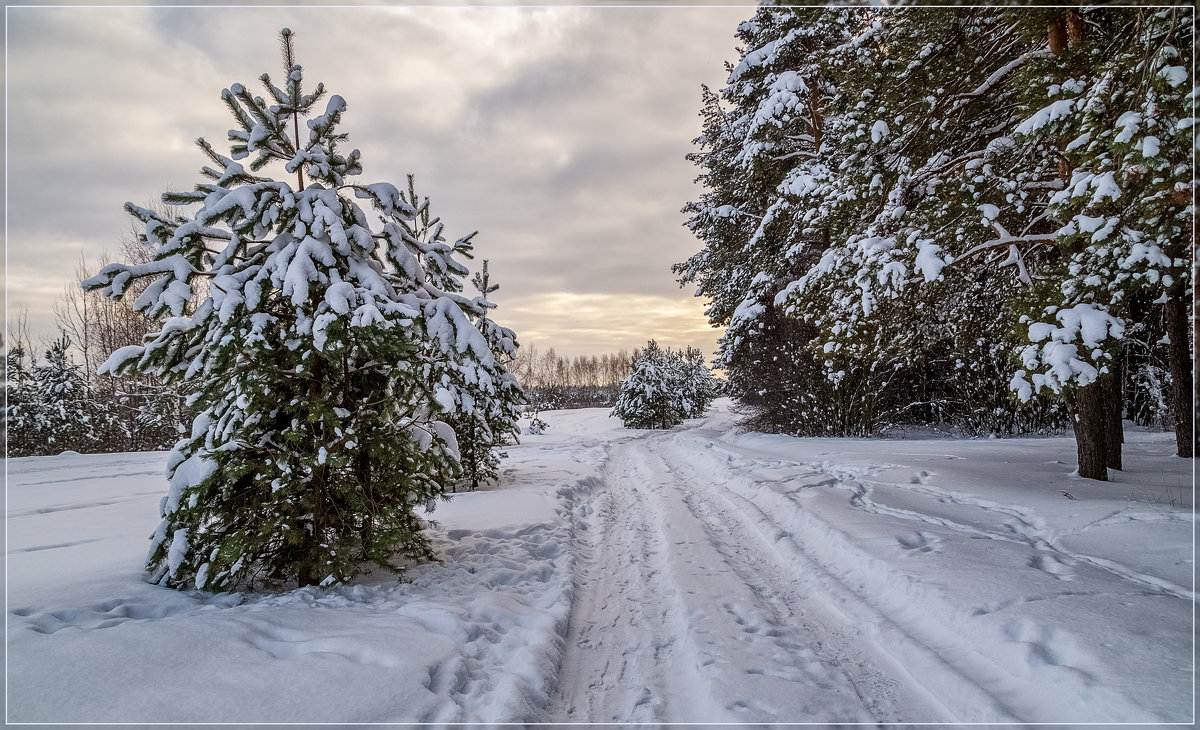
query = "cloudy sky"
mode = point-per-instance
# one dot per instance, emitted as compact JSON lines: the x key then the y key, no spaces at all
{"x":559,"y":133}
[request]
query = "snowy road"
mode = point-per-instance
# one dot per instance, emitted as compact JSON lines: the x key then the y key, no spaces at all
{"x":675,"y":588}
{"x":695,"y":575}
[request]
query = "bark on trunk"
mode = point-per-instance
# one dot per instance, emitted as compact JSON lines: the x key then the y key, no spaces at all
{"x":1090,"y":419}
{"x":1180,"y":360}
{"x":1058,"y":35}
{"x":816,"y":118}
{"x":1114,"y":435}
{"x":1075,"y":28}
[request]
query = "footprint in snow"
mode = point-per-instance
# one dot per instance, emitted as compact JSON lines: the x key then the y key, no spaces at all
{"x":1048,"y":645}
{"x":923,"y":542}
{"x":1052,"y":564}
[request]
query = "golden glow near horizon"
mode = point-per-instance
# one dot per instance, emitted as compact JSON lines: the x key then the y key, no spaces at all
{"x":586,"y":324}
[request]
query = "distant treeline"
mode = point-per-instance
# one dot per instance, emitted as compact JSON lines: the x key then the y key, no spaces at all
{"x":552,"y":381}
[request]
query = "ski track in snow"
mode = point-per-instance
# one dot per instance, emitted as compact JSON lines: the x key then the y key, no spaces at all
{"x":691,"y":575}
{"x":850,"y":638}
{"x":650,"y":640}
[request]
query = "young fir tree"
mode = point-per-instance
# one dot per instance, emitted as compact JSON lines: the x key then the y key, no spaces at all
{"x":72,"y":418}
{"x":651,"y":397}
{"x":325,"y":350}
{"x":494,"y":397}
{"x":698,"y":388}
{"x":51,"y":408}
{"x":158,"y":416}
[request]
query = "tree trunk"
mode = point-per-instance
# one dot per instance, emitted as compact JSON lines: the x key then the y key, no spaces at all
{"x":1180,"y":360}
{"x":1075,"y":28}
{"x":1113,"y":402}
{"x":1090,"y":419}
{"x":816,"y":117}
{"x":1058,"y":35}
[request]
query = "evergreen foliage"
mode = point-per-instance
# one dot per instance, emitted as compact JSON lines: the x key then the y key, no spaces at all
{"x":911,"y":215}
{"x":51,"y":407}
{"x":664,"y":388}
{"x":150,"y":413}
{"x":324,"y":347}
{"x":21,"y":409}
{"x":1108,"y":119}
{"x":697,"y":387}
{"x":493,"y":402}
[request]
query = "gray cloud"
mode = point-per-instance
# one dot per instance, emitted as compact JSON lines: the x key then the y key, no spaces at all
{"x":559,"y":133}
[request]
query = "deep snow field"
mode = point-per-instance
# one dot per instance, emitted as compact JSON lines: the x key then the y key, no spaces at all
{"x":695,"y":575}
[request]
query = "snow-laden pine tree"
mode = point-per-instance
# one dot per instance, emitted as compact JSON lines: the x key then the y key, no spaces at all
{"x":71,"y":417}
{"x":493,"y":398}
{"x":870,"y":285}
{"x":921,"y":99}
{"x":1105,"y":146}
{"x":326,"y":350}
{"x":51,"y":408}
{"x":990,"y":183}
{"x":155,"y":414}
{"x":764,"y":146}
{"x":22,"y":412}
{"x":651,"y":396}
{"x":698,"y":388}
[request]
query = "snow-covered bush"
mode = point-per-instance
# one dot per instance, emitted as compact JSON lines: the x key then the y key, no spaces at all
{"x":326,"y":352}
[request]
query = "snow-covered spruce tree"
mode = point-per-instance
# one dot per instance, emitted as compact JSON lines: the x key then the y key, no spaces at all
{"x":72,"y":418}
{"x":51,"y":408}
{"x":493,"y":398}
{"x":158,"y":417}
{"x":651,"y":396}
{"x":323,"y":352}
